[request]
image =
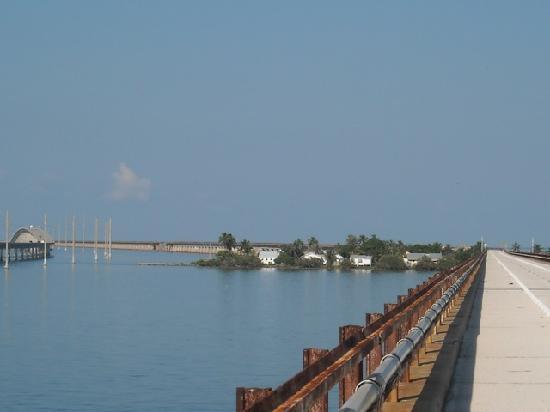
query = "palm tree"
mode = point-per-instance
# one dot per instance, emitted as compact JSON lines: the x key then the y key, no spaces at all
{"x":227,"y":240}
{"x":516,"y":247}
{"x":298,"y":248}
{"x":331,"y":257}
{"x":313,"y":244}
{"x":245,"y":246}
{"x":351,"y":241}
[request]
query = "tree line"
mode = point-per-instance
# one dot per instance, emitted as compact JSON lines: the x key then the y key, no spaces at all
{"x":386,"y":254}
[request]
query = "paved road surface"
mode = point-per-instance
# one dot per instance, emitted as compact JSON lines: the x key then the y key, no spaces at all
{"x":504,"y":363}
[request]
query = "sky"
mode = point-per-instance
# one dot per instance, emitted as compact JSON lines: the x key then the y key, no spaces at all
{"x":421,"y":121}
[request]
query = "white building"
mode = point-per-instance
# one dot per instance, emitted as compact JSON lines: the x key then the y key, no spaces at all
{"x":361,"y":260}
{"x":313,"y":255}
{"x":411,"y":259}
{"x":268,"y":256}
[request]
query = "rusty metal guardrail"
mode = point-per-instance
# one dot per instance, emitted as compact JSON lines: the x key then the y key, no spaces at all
{"x":539,"y":256}
{"x":361,"y":349}
{"x":370,"y":393}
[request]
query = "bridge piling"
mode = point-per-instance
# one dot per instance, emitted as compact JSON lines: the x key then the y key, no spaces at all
{"x":247,"y":397}
{"x":375,"y":355}
{"x":349,"y":383}
{"x":310,"y":356}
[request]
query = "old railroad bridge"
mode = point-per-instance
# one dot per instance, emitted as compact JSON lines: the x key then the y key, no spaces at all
{"x":26,"y":244}
{"x":471,"y":338}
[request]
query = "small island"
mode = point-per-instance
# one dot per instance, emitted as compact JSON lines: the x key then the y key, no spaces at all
{"x":357,"y":252}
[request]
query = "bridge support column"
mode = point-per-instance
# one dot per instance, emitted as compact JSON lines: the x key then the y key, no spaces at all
{"x":349,"y":383}
{"x":391,"y":340}
{"x":246,"y":397}
{"x":389,"y":344}
{"x":375,"y":355}
{"x":312,"y":355}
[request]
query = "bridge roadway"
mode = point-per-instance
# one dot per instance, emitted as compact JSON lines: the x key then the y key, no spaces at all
{"x":504,"y":361}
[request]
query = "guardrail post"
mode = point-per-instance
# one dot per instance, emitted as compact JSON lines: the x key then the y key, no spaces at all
{"x":312,"y":355}
{"x":389,"y":344}
{"x":246,"y":397}
{"x":375,"y":355}
{"x":391,"y":340}
{"x":350,"y":381}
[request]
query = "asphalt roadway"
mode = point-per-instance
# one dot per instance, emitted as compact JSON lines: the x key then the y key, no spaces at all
{"x":504,"y":361}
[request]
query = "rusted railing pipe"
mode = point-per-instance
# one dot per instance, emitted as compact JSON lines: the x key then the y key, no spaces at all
{"x":371,"y":391}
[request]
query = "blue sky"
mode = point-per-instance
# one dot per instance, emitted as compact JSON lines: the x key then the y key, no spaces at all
{"x":276,"y":120}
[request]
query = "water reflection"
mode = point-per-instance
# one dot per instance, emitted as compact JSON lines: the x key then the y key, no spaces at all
{"x":6,"y":315}
{"x":44,"y":293}
{"x":174,"y":338}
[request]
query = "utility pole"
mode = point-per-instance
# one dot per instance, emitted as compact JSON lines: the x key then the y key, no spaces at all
{"x":73,"y":260}
{"x":45,"y":240}
{"x":95,"y":239}
{"x":7,"y":255}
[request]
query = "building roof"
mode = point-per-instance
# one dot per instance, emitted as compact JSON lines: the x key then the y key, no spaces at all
{"x":313,"y":255}
{"x":417,"y":256}
{"x":360,"y":257}
{"x":31,"y":235}
{"x":269,"y":254}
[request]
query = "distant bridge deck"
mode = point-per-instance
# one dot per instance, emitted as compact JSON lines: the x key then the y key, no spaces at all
{"x":181,"y":246}
{"x":24,"y":251}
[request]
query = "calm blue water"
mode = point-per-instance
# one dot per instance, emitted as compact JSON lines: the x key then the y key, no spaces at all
{"x":123,"y":337}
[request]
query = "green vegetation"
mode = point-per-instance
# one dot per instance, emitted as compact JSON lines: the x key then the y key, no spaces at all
{"x":426,"y":264}
{"x":227,"y":259}
{"x":454,"y":258}
{"x":537,"y":248}
{"x":313,"y":245}
{"x":516,"y":247}
{"x":227,"y":240}
{"x":390,"y":262}
{"x":245,"y":246}
{"x":291,"y":255}
{"x":386,"y":254}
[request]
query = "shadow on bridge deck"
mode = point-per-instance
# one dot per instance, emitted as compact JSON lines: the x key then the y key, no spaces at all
{"x":462,"y":383}
{"x":434,"y":375}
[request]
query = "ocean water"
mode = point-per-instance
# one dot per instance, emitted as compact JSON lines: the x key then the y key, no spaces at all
{"x":125,"y":337}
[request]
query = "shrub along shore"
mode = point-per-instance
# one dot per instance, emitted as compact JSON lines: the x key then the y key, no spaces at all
{"x":387,"y":255}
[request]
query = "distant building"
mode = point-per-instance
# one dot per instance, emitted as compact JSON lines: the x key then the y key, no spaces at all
{"x":313,"y":255}
{"x":361,"y":260}
{"x":412,"y":259}
{"x":268,"y":256}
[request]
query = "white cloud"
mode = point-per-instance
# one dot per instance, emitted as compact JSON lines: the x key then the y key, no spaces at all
{"x":128,"y":185}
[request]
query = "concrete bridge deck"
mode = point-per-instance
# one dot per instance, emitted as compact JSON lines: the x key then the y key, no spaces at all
{"x":504,"y":361}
